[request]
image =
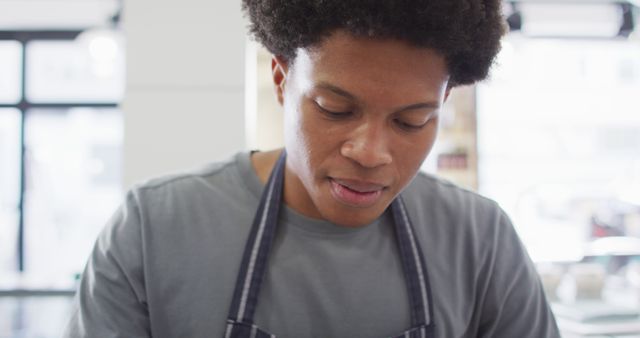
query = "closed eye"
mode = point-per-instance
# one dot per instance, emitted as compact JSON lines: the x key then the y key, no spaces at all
{"x":415,"y":122}
{"x":409,"y":126}
{"x":333,"y":114}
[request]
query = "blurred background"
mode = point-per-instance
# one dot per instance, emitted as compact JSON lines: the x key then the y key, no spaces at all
{"x":96,"y":95}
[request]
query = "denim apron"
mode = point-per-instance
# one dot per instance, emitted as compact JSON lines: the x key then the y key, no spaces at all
{"x":254,"y":263}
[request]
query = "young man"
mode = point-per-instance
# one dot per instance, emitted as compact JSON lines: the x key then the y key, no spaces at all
{"x":337,"y":234}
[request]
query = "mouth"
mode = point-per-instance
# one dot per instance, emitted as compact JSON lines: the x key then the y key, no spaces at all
{"x":356,"y":193}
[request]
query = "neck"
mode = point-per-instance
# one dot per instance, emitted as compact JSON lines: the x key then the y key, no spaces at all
{"x":263,"y":163}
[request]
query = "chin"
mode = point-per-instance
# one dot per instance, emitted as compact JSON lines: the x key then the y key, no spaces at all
{"x":353,"y":218}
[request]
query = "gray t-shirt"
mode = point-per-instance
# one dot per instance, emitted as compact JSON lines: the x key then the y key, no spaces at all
{"x":166,"y":266}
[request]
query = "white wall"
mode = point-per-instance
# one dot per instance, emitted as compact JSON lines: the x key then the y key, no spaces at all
{"x":184,"y":102}
{"x":269,"y":116}
{"x":58,"y":14}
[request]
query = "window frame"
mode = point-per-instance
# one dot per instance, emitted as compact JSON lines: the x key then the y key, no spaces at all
{"x":24,"y":106}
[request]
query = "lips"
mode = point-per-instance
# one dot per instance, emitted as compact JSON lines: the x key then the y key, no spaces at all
{"x":356,"y":193}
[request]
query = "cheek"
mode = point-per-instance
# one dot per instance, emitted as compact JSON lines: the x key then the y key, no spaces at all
{"x":315,"y":139}
{"x":414,"y":153}
{"x":303,"y":140}
{"x":317,"y":133}
{"x":294,"y":121}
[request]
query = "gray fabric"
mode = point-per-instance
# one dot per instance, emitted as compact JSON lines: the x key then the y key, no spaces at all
{"x":166,"y":264}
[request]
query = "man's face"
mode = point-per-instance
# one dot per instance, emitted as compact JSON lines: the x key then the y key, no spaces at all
{"x":361,"y":115}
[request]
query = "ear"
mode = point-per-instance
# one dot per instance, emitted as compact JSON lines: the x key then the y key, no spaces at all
{"x":279,"y":69}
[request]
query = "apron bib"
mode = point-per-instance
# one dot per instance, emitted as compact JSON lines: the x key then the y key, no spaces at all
{"x":256,"y":254}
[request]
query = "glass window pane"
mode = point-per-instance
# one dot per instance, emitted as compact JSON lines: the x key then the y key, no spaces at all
{"x":73,"y":187}
{"x":34,"y":317}
{"x":9,"y":189}
{"x":559,"y":139}
{"x":85,"y":70}
{"x":10,"y":71}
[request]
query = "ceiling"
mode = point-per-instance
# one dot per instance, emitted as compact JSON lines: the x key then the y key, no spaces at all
{"x":56,"y":14}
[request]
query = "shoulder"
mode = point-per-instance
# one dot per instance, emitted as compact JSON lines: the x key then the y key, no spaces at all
{"x":216,"y":190}
{"x":216,"y":178}
{"x":449,"y":217}
{"x":443,"y":197}
{"x":205,"y":175}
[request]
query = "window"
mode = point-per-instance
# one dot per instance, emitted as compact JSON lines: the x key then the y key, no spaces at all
{"x":60,"y":149}
{"x":73,"y":186}
{"x":74,"y":71}
{"x":10,"y":65}
{"x":10,"y":183}
{"x":559,"y":135}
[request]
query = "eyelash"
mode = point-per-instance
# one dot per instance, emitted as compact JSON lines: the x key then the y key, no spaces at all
{"x":342,"y":115}
{"x":408,"y":127}
{"x":334,"y":114}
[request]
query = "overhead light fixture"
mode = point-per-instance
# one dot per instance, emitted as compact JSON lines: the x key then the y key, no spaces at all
{"x":628,"y":22}
{"x":514,"y":17}
{"x":571,"y":19}
{"x":105,"y":44}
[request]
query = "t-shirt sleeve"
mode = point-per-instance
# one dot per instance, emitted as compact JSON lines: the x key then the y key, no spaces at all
{"x":111,"y":300}
{"x":515,"y":304}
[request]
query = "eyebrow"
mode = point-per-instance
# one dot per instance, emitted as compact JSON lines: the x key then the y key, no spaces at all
{"x":341,"y":92}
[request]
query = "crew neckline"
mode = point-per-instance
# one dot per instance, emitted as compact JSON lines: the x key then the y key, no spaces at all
{"x":251,"y":180}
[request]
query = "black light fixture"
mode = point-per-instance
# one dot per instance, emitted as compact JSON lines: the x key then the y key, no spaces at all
{"x":571,"y":18}
{"x":514,"y":18}
{"x":628,"y":21}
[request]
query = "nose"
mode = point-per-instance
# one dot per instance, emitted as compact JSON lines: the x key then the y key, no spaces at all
{"x":367,"y":146}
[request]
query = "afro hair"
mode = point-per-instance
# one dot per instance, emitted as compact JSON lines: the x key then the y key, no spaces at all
{"x":466,"y":32}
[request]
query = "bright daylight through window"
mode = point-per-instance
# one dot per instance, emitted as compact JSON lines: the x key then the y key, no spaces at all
{"x":61,"y":149}
{"x":570,"y":171}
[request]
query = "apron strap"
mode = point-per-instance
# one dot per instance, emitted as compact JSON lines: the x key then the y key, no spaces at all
{"x":415,"y":268}
{"x":256,"y":253}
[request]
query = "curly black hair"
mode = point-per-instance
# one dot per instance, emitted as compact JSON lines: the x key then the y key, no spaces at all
{"x":466,"y":32}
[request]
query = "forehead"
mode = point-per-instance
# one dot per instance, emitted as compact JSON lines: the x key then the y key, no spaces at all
{"x":372,"y":64}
